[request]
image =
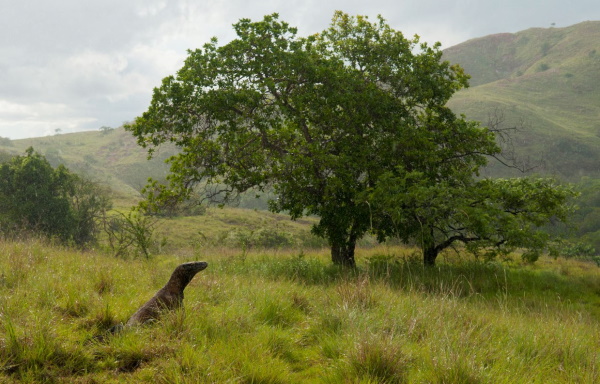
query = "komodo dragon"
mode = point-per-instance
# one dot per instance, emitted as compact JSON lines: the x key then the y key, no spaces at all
{"x":170,"y":296}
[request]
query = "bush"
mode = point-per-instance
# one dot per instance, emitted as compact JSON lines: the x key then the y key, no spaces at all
{"x":543,"y":67}
{"x":37,"y":198}
{"x":262,"y":238}
{"x":130,"y":234}
{"x":272,"y":238}
{"x":579,"y":250}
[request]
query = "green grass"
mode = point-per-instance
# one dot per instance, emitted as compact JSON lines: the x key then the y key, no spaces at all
{"x":284,"y":317}
{"x":237,"y":227}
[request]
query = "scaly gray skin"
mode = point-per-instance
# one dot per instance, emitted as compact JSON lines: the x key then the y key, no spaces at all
{"x":170,"y":296}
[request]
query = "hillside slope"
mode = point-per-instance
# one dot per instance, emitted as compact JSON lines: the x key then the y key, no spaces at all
{"x":547,"y":78}
{"x":111,"y":157}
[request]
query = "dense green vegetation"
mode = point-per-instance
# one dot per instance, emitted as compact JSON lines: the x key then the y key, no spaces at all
{"x":288,"y":317}
{"x":36,"y":198}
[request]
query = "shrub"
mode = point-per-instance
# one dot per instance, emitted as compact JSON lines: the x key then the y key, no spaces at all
{"x":272,"y":238}
{"x":543,"y":67}
{"x":37,"y":198}
{"x":579,"y":250}
{"x":130,"y":234}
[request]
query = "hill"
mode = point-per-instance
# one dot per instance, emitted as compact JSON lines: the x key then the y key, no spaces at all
{"x":112,"y":157}
{"x":549,"y":79}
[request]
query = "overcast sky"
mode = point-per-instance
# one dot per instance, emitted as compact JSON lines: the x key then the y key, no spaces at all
{"x":74,"y":65}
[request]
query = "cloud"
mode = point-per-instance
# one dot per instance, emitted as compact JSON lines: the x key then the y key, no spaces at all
{"x":78,"y":65}
{"x":40,"y":119}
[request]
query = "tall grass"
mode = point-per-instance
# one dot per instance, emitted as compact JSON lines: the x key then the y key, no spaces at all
{"x":260,"y":317}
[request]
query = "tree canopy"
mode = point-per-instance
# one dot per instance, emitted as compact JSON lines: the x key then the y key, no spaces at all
{"x":489,"y":216}
{"x":321,"y":120}
{"x":54,"y":202}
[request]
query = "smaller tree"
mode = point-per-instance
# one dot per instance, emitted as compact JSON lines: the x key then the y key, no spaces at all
{"x":493,"y":216}
{"x":36,"y":197}
{"x":106,"y":130}
{"x":129,"y":233}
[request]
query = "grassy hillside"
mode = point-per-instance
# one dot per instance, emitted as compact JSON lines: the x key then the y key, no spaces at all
{"x":547,"y":78}
{"x":111,"y":157}
{"x":290,"y":318}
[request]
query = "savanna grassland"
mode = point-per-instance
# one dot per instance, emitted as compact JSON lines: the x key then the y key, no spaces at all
{"x":271,"y":307}
{"x":276,"y":316}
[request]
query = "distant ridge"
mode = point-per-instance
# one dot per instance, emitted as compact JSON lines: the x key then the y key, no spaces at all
{"x":550,"y":79}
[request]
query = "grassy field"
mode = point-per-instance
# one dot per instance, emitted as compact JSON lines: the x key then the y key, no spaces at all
{"x":291,"y":317}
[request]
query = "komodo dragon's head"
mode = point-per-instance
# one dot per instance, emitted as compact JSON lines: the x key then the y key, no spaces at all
{"x":184,"y":273}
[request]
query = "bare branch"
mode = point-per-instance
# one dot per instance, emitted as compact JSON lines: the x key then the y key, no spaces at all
{"x":505,"y":137}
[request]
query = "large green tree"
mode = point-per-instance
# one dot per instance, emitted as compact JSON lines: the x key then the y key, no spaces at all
{"x":318,"y":119}
{"x":35,"y":197}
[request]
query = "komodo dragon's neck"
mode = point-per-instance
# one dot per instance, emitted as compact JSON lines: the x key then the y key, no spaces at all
{"x":180,"y":278}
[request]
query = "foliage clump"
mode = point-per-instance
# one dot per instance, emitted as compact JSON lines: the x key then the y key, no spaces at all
{"x":130,"y":234}
{"x":37,"y":198}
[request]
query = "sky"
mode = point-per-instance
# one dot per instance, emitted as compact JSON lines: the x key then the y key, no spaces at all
{"x":79,"y":65}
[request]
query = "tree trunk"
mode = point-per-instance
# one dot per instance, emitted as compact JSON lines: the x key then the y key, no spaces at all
{"x":343,"y":254}
{"x":429,"y":256}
